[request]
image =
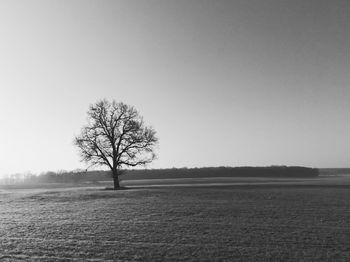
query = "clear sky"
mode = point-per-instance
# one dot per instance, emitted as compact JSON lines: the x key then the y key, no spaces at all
{"x":231,"y":83}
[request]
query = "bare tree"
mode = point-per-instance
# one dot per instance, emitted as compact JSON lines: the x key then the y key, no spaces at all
{"x":117,"y":137}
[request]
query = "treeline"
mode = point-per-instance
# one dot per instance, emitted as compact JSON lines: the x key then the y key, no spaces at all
{"x":334,"y":171}
{"x":272,"y":171}
{"x":83,"y":176}
{"x":76,"y":176}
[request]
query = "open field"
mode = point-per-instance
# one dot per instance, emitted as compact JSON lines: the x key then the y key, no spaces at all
{"x":243,"y":222}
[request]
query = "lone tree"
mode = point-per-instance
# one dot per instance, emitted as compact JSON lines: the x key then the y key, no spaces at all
{"x":117,"y":137}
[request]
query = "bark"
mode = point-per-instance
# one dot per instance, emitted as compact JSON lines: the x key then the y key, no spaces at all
{"x":115,"y":179}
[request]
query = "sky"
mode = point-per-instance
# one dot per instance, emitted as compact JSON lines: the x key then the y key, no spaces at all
{"x":224,"y":83}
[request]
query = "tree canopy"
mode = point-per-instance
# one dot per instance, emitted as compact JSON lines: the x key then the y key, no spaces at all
{"x":116,"y":136}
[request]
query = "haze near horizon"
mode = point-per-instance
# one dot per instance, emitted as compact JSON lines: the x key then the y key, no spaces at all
{"x":224,"y":83}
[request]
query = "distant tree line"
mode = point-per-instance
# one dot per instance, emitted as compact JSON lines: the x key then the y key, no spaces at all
{"x":84,"y":176}
{"x":334,"y":171}
{"x":76,"y":176}
{"x":272,"y":171}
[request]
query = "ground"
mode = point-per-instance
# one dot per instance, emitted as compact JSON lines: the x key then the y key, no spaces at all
{"x":263,"y":222}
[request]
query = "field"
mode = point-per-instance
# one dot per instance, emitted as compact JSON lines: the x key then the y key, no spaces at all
{"x":270,"y":221}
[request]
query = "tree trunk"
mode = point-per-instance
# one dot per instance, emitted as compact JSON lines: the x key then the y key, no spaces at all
{"x":115,"y":179}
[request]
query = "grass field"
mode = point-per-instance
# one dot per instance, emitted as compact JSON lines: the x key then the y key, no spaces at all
{"x":263,"y":222}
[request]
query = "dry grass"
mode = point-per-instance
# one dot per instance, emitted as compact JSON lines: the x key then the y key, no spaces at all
{"x":241,"y":223}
